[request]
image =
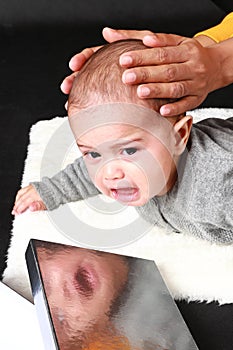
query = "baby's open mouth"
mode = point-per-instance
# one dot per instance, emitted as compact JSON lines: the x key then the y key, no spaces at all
{"x":125,"y":194}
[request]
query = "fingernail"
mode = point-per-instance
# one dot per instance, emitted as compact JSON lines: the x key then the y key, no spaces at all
{"x":143,"y":91}
{"x":129,"y":77}
{"x":115,"y":32}
{"x":109,"y":28}
{"x":151,"y":36}
{"x":72,"y":60}
{"x":150,"y":39}
{"x":164,"y":110}
{"x":126,"y":60}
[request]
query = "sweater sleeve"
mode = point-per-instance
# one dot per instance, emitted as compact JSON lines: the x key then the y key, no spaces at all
{"x":220,"y":32}
{"x":69,"y":185}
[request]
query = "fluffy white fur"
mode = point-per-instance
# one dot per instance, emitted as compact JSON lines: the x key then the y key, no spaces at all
{"x":192,"y":269}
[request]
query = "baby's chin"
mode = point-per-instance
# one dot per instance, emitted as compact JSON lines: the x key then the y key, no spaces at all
{"x":139,"y":203}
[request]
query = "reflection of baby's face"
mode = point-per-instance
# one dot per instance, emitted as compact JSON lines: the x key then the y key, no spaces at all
{"x":127,"y":163}
{"x":80,"y":287}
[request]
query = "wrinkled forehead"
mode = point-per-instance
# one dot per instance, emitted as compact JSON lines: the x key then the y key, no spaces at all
{"x":129,"y":114}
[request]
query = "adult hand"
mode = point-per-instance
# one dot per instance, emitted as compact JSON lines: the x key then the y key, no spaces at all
{"x":172,"y":67}
{"x":75,"y":64}
{"x":110,"y":35}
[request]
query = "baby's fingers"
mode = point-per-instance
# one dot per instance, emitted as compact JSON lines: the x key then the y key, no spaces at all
{"x":21,"y":204}
{"x":24,"y":198}
{"x":36,"y":206}
{"x":22,"y":192}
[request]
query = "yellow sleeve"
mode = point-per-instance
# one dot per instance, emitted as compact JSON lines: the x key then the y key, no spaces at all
{"x":222,"y":31}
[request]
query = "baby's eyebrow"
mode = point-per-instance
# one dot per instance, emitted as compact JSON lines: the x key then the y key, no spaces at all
{"x":83,"y":146}
{"x":115,"y":145}
{"x":125,"y":143}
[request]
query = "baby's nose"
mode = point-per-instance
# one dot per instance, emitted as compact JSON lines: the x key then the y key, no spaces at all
{"x":113,"y":171}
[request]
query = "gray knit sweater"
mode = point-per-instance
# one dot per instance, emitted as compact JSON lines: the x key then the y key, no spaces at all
{"x":201,"y":201}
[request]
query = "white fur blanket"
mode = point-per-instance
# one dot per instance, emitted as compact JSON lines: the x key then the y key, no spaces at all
{"x":192,"y":269}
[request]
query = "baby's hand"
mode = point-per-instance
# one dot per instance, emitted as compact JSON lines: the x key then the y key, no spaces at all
{"x":27,"y":198}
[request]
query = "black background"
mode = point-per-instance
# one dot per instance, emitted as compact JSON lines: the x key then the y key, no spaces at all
{"x":37,"y":40}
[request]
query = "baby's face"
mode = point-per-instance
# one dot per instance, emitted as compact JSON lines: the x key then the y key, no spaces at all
{"x":128,"y":163}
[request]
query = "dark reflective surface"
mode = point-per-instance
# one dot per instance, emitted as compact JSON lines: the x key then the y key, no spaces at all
{"x":99,"y":300}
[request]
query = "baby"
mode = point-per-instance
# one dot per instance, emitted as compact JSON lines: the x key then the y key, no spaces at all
{"x":178,"y":176}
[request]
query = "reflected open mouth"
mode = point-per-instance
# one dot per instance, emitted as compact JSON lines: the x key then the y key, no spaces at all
{"x":85,"y":281}
{"x":126,"y":194}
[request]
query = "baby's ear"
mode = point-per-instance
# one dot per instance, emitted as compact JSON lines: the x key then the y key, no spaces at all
{"x":182,"y":130}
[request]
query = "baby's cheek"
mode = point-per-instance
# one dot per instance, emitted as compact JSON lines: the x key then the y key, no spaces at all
{"x":97,"y":178}
{"x":153,"y":178}
{"x":93,"y":171}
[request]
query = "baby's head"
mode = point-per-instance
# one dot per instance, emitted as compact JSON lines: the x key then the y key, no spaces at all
{"x":130,"y":150}
{"x":99,"y":81}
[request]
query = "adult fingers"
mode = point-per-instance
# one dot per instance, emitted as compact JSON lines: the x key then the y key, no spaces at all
{"x":164,"y":90}
{"x":78,"y":60}
{"x":189,"y":97}
{"x":181,"y":106}
{"x":163,"y":39}
{"x":149,"y":38}
{"x":155,"y":56}
{"x":75,"y":64}
{"x":111,"y":35}
{"x":157,"y":74}
{"x":67,"y":83}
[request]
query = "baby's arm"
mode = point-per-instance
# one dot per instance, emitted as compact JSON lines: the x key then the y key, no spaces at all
{"x":69,"y":185}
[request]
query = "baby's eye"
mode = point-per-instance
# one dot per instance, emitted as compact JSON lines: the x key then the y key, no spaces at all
{"x":93,"y":155}
{"x":129,"y":151}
